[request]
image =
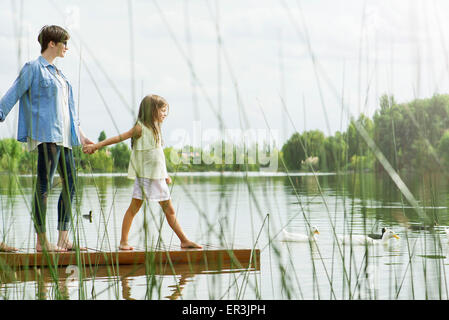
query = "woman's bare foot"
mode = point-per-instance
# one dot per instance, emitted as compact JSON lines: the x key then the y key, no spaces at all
{"x":70,"y":247}
{"x":5,"y":248}
{"x":49,"y":247}
{"x":63,"y":242}
{"x":190,"y":244}
{"x":125,"y":246}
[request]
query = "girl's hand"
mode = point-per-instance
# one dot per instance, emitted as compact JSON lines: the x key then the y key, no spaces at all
{"x":168,"y":180}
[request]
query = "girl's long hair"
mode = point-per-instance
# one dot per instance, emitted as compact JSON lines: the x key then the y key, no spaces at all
{"x":148,"y":114}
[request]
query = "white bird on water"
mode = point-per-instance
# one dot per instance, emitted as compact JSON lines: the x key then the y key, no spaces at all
{"x":366,"y":240}
{"x":298,"y":237}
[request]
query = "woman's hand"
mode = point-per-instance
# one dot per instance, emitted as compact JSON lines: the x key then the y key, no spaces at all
{"x":168,"y":180}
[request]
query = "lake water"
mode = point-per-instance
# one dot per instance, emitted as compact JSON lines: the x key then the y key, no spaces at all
{"x":248,"y":211}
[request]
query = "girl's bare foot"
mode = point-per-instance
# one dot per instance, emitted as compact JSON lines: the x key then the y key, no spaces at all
{"x":5,"y":248}
{"x":125,"y":246}
{"x":190,"y":244}
{"x":49,"y":247}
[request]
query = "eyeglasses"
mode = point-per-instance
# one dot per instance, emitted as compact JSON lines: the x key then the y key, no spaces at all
{"x":64,"y":43}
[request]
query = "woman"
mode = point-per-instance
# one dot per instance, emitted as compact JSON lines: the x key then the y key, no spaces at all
{"x":48,"y":123}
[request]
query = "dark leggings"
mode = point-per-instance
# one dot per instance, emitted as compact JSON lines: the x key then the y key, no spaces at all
{"x":50,"y":157}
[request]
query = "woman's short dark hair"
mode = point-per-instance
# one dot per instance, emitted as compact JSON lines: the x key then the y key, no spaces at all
{"x":52,"y":33}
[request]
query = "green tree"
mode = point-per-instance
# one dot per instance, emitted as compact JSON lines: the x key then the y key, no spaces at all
{"x":293,"y":152}
{"x":335,"y":150}
{"x":102,"y":136}
{"x":11,"y":154}
{"x":443,"y":148}
{"x":101,"y":161}
{"x":120,"y":155}
{"x":300,"y":147}
{"x":356,"y":143}
{"x":409,"y":134}
{"x":388,"y":131}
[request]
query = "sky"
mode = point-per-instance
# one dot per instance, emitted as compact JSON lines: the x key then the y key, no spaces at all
{"x":268,"y":66}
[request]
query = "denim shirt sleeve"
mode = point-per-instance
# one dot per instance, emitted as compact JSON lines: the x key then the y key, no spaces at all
{"x":19,"y":87}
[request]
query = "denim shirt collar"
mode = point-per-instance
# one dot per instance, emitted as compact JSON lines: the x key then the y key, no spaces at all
{"x":46,"y":64}
{"x":44,"y":61}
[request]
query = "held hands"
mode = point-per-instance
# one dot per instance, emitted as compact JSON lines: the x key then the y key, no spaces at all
{"x":85,"y":141}
{"x":87,"y":144}
{"x":90,"y":148}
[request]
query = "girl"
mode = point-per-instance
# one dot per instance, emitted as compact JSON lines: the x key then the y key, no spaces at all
{"x":147,"y":167}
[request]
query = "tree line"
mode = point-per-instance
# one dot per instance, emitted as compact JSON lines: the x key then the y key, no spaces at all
{"x":412,"y":136}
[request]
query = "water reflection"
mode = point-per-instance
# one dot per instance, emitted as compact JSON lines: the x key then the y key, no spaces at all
{"x":179,"y":286}
{"x":69,"y":282}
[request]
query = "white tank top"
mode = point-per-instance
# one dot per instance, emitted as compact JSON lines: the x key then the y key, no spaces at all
{"x":147,"y":158}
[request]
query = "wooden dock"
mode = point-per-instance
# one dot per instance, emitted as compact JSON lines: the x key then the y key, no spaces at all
{"x":217,"y":257}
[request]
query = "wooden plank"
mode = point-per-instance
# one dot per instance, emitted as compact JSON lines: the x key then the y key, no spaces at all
{"x":239,"y":258}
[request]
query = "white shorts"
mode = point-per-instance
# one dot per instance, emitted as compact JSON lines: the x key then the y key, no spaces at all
{"x":151,"y":189}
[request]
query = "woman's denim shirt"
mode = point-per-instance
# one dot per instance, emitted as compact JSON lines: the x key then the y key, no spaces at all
{"x":40,"y":114}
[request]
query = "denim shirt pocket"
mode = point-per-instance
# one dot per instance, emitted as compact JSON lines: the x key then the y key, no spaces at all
{"x":47,"y":87}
